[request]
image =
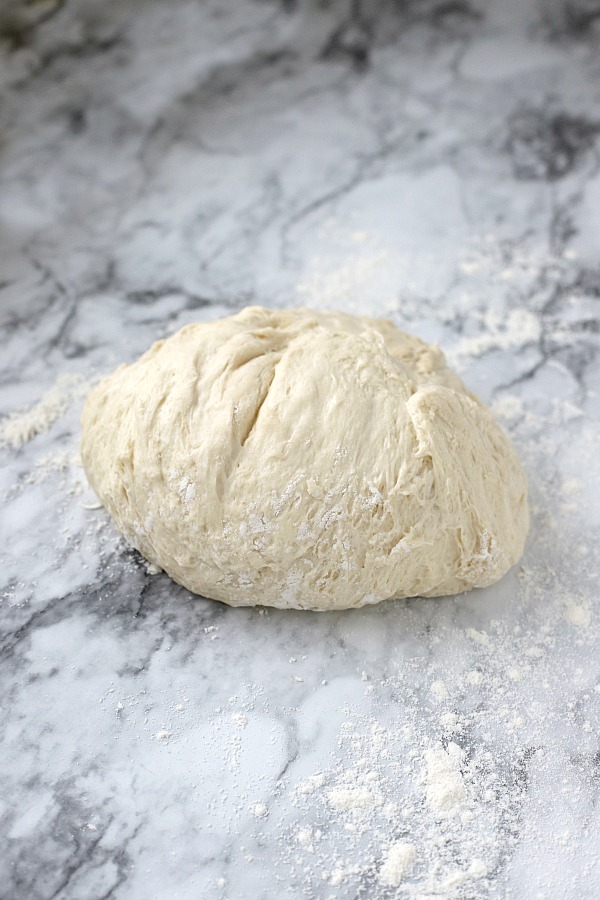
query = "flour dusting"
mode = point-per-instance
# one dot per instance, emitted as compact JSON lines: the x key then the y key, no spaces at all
{"x":19,"y":428}
{"x":445,"y":788}
{"x":399,"y":861}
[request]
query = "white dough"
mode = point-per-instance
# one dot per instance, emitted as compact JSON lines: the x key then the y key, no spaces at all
{"x":305,"y":459}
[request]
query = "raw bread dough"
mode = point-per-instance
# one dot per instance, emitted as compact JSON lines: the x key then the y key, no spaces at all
{"x":304,"y":459}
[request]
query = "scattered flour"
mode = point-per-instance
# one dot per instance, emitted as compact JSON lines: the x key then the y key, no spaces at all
{"x":518,"y":328}
{"x":479,"y":637}
{"x":439,"y":691}
{"x":477,"y":869}
{"x":445,"y":787}
{"x":312,"y":783}
{"x":304,"y":838}
{"x":454,"y":880}
{"x":450,"y":721}
{"x":578,"y":615}
{"x":508,"y":407}
{"x":361,"y":270}
{"x":398,"y":863}
{"x":449,"y":843}
{"x":352,"y":799}
{"x":339,"y":876}
{"x":19,"y":428}
{"x":260,"y":811}
{"x":571,"y":486}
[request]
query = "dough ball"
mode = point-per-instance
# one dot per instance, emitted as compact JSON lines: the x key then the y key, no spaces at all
{"x":304,"y":459}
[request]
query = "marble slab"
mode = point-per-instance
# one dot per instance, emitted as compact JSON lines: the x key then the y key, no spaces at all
{"x":163,"y":163}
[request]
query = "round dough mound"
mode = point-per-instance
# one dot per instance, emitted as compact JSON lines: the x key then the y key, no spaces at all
{"x":306,"y":460}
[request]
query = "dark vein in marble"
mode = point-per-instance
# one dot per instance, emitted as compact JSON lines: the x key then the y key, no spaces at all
{"x":547,"y":146}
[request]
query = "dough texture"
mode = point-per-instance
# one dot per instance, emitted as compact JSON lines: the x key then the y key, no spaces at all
{"x":305,"y":460}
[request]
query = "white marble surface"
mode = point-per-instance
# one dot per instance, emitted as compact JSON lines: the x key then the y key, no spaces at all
{"x":168,"y":162}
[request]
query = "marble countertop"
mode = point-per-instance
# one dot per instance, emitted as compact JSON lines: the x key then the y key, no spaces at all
{"x":162,"y":163}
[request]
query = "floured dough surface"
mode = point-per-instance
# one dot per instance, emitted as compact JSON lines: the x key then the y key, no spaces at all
{"x":307,"y":460}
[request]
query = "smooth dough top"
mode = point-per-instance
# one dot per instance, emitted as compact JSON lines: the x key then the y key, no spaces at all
{"x":305,"y":459}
